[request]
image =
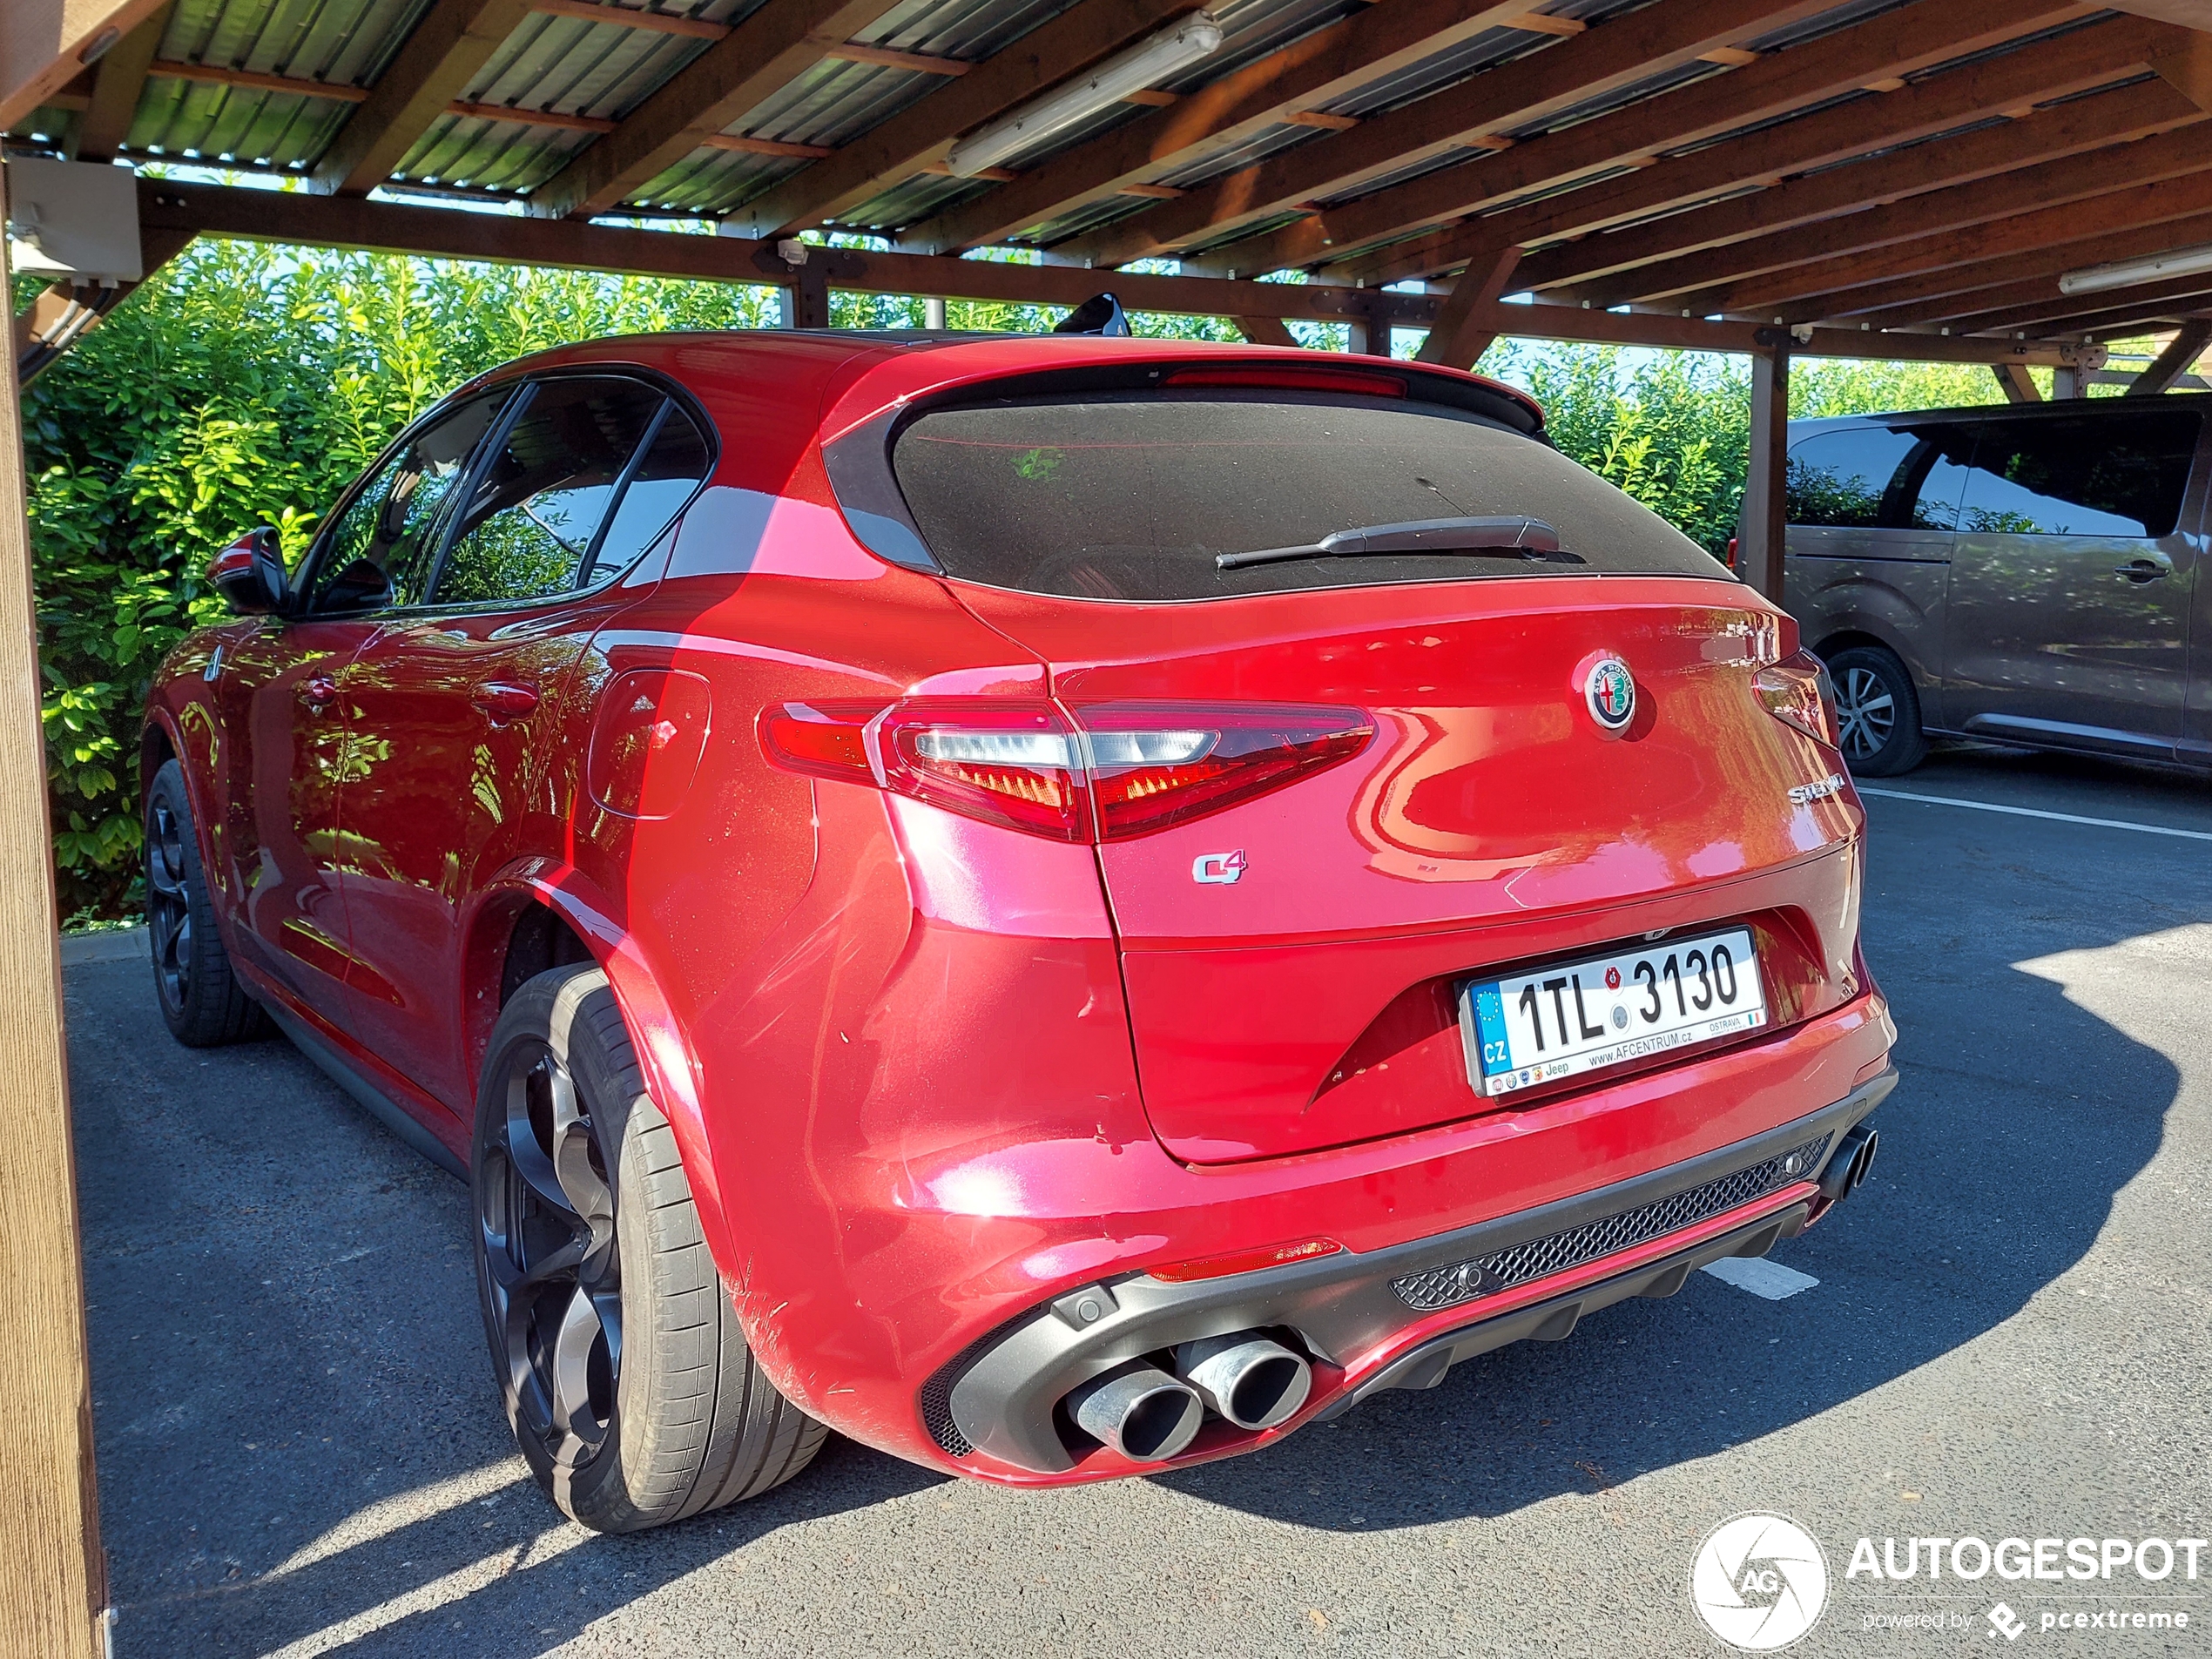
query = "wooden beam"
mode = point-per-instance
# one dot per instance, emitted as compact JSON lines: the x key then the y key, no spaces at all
{"x":2053,"y":311}
{"x":1766,"y":503}
{"x":1463,"y":332}
{"x":2145,"y":219}
{"x":2081,"y":148}
{"x":45,"y":45}
{"x":1318,"y":68}
{"x":118,"y":80}
{"x":55,"y":1587}
{"x":454,"y":39}
{"x":256,"y":80}
{"x":284,"y":217}
{"x":2107,"y":317}
{"x":1937,"y":105}
{"x":1265,"y":330}
{"x":2017,"y":384}
{"x":1651,"y":42}
{"x":893,"y":151}
{"x":772,"y":47}
{"x":659,"y":23}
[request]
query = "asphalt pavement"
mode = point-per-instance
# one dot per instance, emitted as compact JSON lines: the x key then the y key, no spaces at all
{"x":2009,"y":1334}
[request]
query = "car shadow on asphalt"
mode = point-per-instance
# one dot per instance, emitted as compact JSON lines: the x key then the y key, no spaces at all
{"x":2018,"y":1116}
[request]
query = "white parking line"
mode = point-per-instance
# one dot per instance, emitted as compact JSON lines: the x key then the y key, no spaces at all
{"x":1761,"y":1277}
{"x":2030,"y":812}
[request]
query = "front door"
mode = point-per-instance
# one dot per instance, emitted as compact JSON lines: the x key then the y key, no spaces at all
{"x":281,"y":688}
{"x":468,"y":699}
{"x":277,"y":836}
{"x":2067,"y":611}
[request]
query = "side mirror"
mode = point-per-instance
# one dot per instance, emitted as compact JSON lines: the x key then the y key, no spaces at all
{"x":249,"y":573}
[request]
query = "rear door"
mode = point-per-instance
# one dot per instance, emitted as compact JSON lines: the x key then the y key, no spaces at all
{"x":1291,"y":962}
{"x":464,"y":707}
{"x":2071,"y":581}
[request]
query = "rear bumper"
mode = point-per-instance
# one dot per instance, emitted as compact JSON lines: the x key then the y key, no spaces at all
{"x":1392,"y":1318}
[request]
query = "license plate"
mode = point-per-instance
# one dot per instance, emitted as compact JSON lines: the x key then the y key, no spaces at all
{"x":1578,"y":1017}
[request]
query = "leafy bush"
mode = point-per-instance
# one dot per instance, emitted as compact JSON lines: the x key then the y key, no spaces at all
{"x":245,"y":385}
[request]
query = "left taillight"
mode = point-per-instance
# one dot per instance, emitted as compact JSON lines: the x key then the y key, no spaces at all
{"x":1099,"y":771}
{"x":1797,"y":691}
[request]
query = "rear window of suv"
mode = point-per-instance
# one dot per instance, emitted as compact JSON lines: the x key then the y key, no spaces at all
{"x":1133,"y":497}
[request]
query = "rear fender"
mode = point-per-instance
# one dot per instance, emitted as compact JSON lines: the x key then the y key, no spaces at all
{"x":663,"y":1050}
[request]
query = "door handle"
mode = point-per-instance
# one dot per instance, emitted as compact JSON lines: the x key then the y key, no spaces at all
{"x":319,"y":691}
{"x":2140,"y":570}
{"x":504,"y":700}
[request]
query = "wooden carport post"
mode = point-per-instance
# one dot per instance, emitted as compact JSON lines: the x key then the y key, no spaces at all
{"x":1766,"y":504}
{"x":53,"y":1589}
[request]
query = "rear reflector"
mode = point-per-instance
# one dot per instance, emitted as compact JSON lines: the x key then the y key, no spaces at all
{"x":1246,"y":1261}
{"x":1103,"y":772}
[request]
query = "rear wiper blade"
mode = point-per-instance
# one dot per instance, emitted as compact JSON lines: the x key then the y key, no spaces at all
{"x":1510,"y":536}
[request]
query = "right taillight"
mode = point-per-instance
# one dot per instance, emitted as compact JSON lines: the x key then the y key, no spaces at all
{"x":1103,"y":772}
{"x":1797,"y":691}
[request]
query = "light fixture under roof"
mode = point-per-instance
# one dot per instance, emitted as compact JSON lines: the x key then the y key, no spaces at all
{"x":1142,"y":66}
{"x":2125,"y":273}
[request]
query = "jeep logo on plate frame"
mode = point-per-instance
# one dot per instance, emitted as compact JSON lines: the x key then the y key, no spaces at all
{"x":1610,"y":691}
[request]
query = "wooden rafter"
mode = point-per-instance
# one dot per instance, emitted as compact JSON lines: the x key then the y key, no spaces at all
{"x":1316,"y":68}
{"x":2177,"y":211}
{"x":1980,"y":175}
{"x":118,"y":80}
{"x":2050,"y":311}
{"x":442,"y":56}
{"x":1816,"y":140}
{"x":895,"y":151}
{"x":1651,"y":42}
{"x":772,"y":47}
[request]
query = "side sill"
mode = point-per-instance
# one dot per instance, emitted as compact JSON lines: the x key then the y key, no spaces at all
{"x":379,"y":1105}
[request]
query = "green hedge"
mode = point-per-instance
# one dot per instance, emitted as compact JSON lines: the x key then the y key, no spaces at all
{"x":245,"y":385}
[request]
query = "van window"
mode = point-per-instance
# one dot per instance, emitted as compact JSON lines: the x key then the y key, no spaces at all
{"x":1107,"y":496}
{"x":2106,"y":474}
{"x":1840,"y":476}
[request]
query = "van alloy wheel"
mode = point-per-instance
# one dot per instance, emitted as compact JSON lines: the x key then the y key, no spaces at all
{"x":1867,"y":711}
{"x":554,"y":1269}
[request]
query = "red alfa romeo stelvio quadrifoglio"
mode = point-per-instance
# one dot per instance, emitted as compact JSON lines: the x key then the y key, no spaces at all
{"x":1062,"y":907}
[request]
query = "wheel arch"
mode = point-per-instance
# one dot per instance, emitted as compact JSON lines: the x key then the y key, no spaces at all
{"x":1841,"y":639}
{"x":540,"y":915}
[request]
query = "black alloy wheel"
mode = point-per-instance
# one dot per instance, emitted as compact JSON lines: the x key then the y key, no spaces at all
{"x":619,"y":1356}
{"x":552,"y":1266}
{"x":201,"y":1002}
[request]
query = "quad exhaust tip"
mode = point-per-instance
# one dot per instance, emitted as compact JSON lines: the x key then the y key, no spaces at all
{"x":1846,"y":1171}
{"x":1138,"y":1409}
{"x":1250,"y":1380}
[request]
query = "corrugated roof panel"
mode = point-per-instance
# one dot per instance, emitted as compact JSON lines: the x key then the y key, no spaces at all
{"x":192,"y":118}
{"x":346,"y":41}
{"x":468,"y":152}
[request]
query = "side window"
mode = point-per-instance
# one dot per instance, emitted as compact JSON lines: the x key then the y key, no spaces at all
{"x":2089,"y":475}
{"x":1841,"y":477}
{"x":675,"y":463}
{"x":377,"y":553}
{"x":1936,"y":479}
{"x":537,"y":506}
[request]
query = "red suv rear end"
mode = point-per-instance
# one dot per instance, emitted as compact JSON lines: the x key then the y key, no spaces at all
{"x":1157,"y":892}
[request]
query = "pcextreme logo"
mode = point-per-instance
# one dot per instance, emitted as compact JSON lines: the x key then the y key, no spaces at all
{"x":1759,"y":1581}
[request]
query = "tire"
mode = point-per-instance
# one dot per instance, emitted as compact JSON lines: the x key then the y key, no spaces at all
{"x":624,"y":1373}
{"x":202,"y":1002}
{"x":1878,"y":711}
